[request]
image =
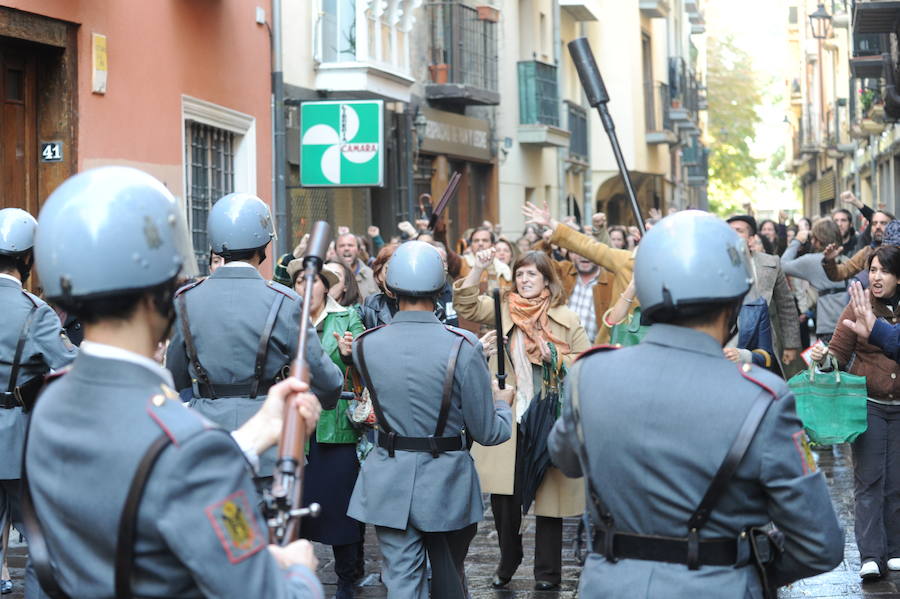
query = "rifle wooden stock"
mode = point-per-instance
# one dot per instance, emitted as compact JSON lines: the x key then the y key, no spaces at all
{"x":448,"y":195}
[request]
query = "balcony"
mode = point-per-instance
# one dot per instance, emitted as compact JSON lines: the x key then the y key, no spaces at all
{"x":579,"y":10}
{"x":656,"y":115}
{"x":654,"y":9}
{"x":463,"y":54}
{"x":698,"y":174}
{"x":539,"y":105}
{"x":685,"y":97}
{"x":578,"y":142}
{"x":875,"y":17}
{"x":868,"y":48}
{"x":363,"y":50}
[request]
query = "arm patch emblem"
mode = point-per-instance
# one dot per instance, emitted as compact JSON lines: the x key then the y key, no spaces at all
{"x":234,"y":523}
{"x":807,"y":460}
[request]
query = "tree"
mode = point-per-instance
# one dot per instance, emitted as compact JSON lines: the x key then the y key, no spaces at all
{"x":733,"y":96}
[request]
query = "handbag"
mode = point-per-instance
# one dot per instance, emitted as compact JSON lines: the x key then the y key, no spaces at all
{"x":360,"y":411}
{"x":630,"y":332}
{"x":831,"y":405}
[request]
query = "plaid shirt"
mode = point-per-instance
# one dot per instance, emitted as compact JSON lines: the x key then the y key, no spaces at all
{"x":582,"y":303}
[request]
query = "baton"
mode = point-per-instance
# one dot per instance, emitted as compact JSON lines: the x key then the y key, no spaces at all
{"x":501,"y":355}
{"x":595,"y":90}
{"x":448,"y":195}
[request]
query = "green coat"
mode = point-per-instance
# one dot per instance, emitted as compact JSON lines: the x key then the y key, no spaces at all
{"x":334,"y":426}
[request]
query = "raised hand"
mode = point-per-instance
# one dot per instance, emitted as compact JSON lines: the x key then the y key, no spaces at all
{"x":484,"y":258}
{"x":832,"y":250}
{"x":345,"y":343}
{"x":343,"y":231}
{"x":373,"y":231}
{"x":538,"y":216}
{"x":847,"y":197}
{"x":598,"y":220}
{"x":862,"y":310}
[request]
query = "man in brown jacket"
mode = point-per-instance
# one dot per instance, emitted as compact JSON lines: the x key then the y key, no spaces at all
{"x":617,"y":264}
{"x":856,"y":264}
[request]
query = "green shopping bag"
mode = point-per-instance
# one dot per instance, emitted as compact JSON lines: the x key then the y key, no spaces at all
{"x":630,"y":332}
{"x":831,"y":405}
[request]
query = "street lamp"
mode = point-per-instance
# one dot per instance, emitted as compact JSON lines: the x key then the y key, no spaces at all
{"x":819,"y":22}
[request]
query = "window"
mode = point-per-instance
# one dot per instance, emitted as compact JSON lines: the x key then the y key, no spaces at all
{"x":219,"y":158}
{"x":338,"y":30}
{"x":792,"y":15}
{"x":209,"y":158}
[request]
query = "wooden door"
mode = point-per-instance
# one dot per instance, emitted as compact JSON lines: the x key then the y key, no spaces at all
{"x":18,"y":128}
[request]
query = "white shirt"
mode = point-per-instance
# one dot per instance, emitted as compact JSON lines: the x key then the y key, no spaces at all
{"x":111,"y":352}
{"x":237,"y":263}
{"x":11,"y":278}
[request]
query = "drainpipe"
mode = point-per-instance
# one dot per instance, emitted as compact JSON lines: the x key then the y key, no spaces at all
{"x":562,"y":154}
{"x":278,"y":133}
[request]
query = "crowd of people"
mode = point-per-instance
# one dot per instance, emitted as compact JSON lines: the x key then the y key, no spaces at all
{"x":405,"y":438}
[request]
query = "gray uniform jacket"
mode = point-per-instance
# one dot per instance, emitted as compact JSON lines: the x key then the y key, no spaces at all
{"x":227,"y":314}
{"x":659,"y":419}
{"x":407,"y":361}
{"x":46,"y":347}
{"x":199,"y":533}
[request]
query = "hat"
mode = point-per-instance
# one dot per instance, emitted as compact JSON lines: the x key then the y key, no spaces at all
{"x":892,"y":233}
{"x":281,"y":274}
{"x":744,"y":218}
{"x":329,"y":277}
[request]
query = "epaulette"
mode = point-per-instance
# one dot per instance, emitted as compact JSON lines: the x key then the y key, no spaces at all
{"x":364,"y":333}
{"x":190,"y":285}
{"x":460,"y":332}
{"x":52,"y":377}
{"x":274,"y":286}
{"x":173,"y":418}
{"x":746,"y":371}
{"x":597,"y":349}
{"x":31,"y":298}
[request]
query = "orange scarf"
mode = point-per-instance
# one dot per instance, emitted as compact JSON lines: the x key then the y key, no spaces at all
{"x":530,"y":315}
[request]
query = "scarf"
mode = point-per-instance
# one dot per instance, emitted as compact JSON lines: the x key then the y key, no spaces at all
{"x":530,"y":316}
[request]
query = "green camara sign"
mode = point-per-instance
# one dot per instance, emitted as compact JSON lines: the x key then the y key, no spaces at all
{"x":342,"y":143}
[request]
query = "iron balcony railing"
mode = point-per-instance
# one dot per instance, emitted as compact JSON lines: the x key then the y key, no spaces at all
{"x":463,"y":45}
{"x":656,"y":106}
{"x":538,"y":94}
{"x":698,"y":174}
{"x":577,"y":124}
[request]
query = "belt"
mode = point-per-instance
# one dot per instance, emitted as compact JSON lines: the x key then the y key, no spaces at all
{"x":832,"y":291}
{"x":433,"y":445}
{"x":230,"y":389}
{"x":23,"y":396}
{"x":713,"y":552}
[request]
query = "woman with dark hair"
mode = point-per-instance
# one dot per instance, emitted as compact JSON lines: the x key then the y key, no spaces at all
{"x":618,"y":238}
{"x":345,"y":291}
{"x":775,"y":233}
{"x":332,"y":465}
{"x":379,"y":308}
{"x":876,"y":453}
{"x":540,"y":328}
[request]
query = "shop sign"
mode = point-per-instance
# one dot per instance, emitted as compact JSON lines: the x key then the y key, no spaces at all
{"x":342,"y":143}
{"x":456,"y":135}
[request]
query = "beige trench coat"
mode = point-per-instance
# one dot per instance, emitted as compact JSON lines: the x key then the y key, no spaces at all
{"x":557,"y":496}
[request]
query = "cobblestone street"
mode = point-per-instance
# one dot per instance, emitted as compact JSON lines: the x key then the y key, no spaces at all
{"x":842,"y":582}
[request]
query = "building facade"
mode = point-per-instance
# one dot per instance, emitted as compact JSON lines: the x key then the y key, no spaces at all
{"x":178,"y":89}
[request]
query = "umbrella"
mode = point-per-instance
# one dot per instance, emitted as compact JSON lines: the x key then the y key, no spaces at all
{"x":537,"y":421}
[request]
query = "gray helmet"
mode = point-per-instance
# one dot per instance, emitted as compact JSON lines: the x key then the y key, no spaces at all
{"x":416,"y":270}
{"x":108,"y":230}
{"x":17,"y":229}
{"x":690,"y":258}
{"x":239,"y":221}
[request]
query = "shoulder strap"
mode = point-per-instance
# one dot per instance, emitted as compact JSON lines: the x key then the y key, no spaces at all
{"x":128,"y":521}
{"x":38,"y":551}
{"x":729,"y":465}
{"x":263,"y":350}
{"x":20,"y":347}
{"x":448,"y":386}
{"x":364,"y":371}
{"x":189,"y":345}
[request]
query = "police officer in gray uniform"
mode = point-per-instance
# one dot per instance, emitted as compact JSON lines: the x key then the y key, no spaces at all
{"x":236,"y":332}
{"x":431,"y":391}
{"x":650,"y":427}
{"x":135,"y":494}
{"x":32,"y":343}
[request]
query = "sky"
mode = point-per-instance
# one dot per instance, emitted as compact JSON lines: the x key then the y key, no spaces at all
{"x":760,"y":28}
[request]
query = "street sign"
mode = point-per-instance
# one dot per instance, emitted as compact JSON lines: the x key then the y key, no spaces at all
{"x":342,"y":143}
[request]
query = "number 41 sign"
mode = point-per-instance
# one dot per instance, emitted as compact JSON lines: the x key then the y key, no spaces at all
{"x":51,"y":151}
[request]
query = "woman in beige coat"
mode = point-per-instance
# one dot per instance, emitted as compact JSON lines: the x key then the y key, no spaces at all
{"x":534,"y":314}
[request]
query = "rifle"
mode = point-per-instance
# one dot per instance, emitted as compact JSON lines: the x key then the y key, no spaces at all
{"x":598,"y":97}
{"x":284,"y":502}
{"x":448,"y":195}
{"x":501,"y":356}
